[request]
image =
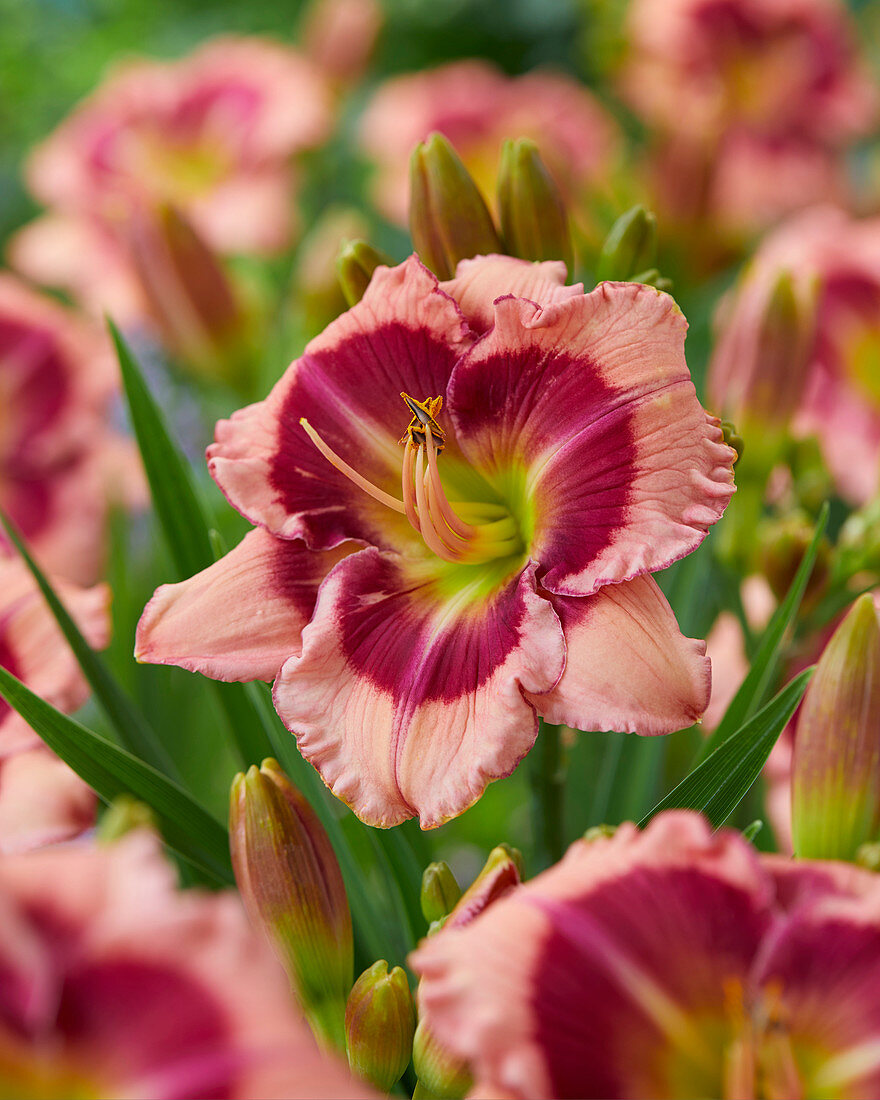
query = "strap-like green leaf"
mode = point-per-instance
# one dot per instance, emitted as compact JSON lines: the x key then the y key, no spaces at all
{"x":187,"y":827}
{"x":131,"y":727}
{"x":754,"y":688}
{"x":718,"y":785}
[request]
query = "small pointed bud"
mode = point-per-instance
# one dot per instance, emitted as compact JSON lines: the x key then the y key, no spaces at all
{"x":783,"y":351}
{"x":732,"y":438}
{"x":292,"y":888}
{"x":191,"y":298}
{"x":836,"y":766}
{"x":630,"y":248}
{"x":440,"y":891}
{"x":123,"y":815}
{"x":502,"y":871}
{"x":782,"y":543}
{"x":598,"y":832}
{"x":534,"y":221}
{"x":440,"y":1073}
{"x":355,"y":264}
{"x":448,"y":217}
{"x":380,"y":1021}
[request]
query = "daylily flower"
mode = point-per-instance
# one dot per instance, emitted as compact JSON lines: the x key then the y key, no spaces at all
{"x":419,"y":599}
{"x":834,"y":261}
{"x":752,"y":102}
{"x":41,"y":800}
{"x":211,"y":134}
{"x":60,"y":462}
{"x":667,"y":963}
{"x":117,"y":984}
{"x":477,"y":107}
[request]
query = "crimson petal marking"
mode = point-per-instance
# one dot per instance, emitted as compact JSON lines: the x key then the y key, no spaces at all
{"x":407,"y":703}
{"x":243,"y":616}
{"x":629,"y":667}
{"x":593,"y":398}
{"x":480,"y":281}
{"x":405,"y":334}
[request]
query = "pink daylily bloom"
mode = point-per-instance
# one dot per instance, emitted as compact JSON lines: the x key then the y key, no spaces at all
{"x":41,"y":800}
{"x":752,"y":103}
{"x":60,"y":462}
{"x":667,"y":963}
{"x":477,"y":107}
{"x":118,"y":984}
{"x":835,"y":260}
{"x":211,"y":134}
{"x":430,"y":605}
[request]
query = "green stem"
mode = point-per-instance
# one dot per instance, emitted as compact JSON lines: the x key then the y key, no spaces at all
{"x":548,"y":795}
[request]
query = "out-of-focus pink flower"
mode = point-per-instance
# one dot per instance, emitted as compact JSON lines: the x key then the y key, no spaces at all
{"x":418,"y":610}
{"x":339,"y":36}
{"x":117,"y":984}
{"x":751,"y":101}
{"x":476,"y":107}
{"x":60,"y":463}
{"x":211,"y":134}
{"x":667,"y":963}
{"x":42,"y":801}
{"x":835,"y":262}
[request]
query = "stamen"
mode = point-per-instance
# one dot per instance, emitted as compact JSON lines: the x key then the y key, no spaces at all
{"x":429,"y":534}
{"x":462,"y":529}
{"x":343,"y":467}
{"x":408,"y":488}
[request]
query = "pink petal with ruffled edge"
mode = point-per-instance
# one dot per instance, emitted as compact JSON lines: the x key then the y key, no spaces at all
{"x":597,"y":978}
{"x":243,"y":616}
{"x":405,"y":334}
{"x":478,"y":282}
{"x":592,"y":398}
{"x":408,"y":701}
{"x":628,"y":666}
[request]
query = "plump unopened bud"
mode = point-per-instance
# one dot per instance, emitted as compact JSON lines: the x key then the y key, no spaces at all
{"x":355,"y":264}
{"x":292,"y":887}
{"x":440,"y":1073}
{"x":380,"y":1021}
{"x":502,"y":871}
{"x":448,"y":217}
{"x":534,"y":221}
{"x":836,"y":766}
{"x":783,"y":350}
{"x":191,"y":298}
{"x":440,"y":891}
{"x":630,"y":249}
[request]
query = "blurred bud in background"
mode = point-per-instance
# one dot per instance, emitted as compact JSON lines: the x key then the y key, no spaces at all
{"x":534,"y":220}
{"x":355,"y":263}
{"x":448,"y":217}
{"x":339,"y":36}
{"x":316,"y":297}
{"x":782,"y":542}
{"x":199,"y":311}
{"x":380,"y":1021}
{"x":836,"y":767}
{"x":292,"y":887}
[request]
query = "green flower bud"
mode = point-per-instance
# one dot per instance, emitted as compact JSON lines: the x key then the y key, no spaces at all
{"x":440,"y":1073}
{"x":448,"y":217}
{"x":123,"y":815}
{"x":502,"y":871}
{"x":380,"y":1021}
{"x":534,"y":221}
{"x":292,"y":888}
{"x":782,"y":543}
{"x":355,"y":264}
{"x":440,"y":891}
{"x":836,"y":765}
{"x":630,"y":248}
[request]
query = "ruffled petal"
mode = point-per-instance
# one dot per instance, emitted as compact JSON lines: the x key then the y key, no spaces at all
{"x":408,"y":695}
{"x":243,"y":616}
{"x":590,"y":403}
{"x":629,"y":667}
{"x":600,"y":977}
{"x":405,"y":334}
{"x":478,"y":282}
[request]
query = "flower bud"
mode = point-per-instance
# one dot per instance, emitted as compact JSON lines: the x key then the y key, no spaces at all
{"x":190,"y":296}
{"x":355,"y":263}
{"x":292,"y":888}
{"x":502,"y":871}
{"x":630,"y":249}
{"x":380,"y":1021}
{"x":534,"y":221}
{"x":124,"y":814}
{"x":836,"y":766}
{"x":440,"y":891}
{"x":440,"y":1073}
{"x":448,"y":217}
